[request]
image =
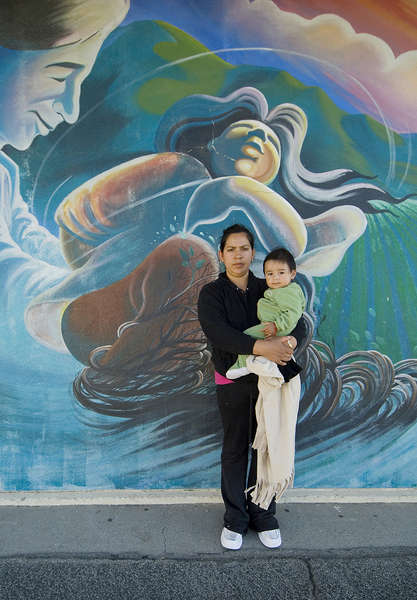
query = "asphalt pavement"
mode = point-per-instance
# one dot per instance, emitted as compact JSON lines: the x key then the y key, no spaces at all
{"x":330,"y":551}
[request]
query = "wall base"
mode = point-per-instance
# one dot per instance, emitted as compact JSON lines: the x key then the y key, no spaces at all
{"x":200,"y":496}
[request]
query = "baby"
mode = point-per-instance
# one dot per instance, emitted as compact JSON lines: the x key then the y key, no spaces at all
{"x":279,"y":310}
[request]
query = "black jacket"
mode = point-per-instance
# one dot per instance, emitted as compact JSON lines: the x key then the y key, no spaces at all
{"x":225,"y":311}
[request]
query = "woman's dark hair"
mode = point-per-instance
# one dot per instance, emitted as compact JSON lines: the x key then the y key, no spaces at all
{"x":192,"y":122}
{"x":236,"y":228}
{"x":40,"y":24}
{"x":282,"y":255}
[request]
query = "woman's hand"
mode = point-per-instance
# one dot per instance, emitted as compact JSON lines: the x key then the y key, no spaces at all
{"x":269,"y":329}
{"x":277,"y":349}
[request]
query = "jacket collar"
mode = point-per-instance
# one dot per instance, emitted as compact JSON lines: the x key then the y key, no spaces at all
{"x":251,"y":280}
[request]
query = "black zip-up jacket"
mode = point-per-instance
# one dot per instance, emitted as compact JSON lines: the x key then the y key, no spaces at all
{"x":225,"y":311}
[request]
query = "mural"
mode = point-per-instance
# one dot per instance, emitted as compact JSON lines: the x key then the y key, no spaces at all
{"x":295,"y":118}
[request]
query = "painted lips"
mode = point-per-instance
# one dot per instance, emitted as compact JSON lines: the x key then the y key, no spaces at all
{"x":44,"y":126}
{"x":253,"y":148}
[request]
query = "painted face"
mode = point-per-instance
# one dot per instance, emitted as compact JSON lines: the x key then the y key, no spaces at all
{"x":41,"y":88}
{"x":278,"y":274}
{"x":237,"y":255}
{"x":249,"y":148}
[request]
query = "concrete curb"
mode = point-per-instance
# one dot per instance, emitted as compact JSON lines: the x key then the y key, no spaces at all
{"x":200,"y":496}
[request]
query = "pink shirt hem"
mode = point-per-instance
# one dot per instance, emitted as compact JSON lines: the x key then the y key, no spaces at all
{"x":220,"y":379}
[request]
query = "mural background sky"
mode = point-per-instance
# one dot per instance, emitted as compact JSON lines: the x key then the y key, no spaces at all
{"x":394,"y":22}
{"x":341,"y":53}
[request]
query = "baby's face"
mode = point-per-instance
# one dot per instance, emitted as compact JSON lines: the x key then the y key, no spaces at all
{"x":278,"y":274}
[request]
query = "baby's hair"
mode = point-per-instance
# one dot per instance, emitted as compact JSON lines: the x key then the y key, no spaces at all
{"x":282,"y":255}
{"x":236,"y":228}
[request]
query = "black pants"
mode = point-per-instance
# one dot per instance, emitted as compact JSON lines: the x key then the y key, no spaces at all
{"x":237,"y":409}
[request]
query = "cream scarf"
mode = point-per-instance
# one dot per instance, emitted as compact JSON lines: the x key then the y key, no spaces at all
{"x":276,"y":415}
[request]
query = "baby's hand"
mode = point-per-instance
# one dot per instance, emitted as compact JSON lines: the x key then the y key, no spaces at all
{"x":269,"y":329}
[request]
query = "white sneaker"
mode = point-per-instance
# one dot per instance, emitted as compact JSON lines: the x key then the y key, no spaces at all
{"x":236,"y":373}
{"x":271,"y":538}
{"x":264,"y":367}
{"x":230,"y":539}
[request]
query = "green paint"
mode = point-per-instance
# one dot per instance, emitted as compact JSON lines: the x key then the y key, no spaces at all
{"x":380,"y":131}
{"x":359,"y":294}
{"x":331,"y":316}
{"x":402,"y":279}
{"x":200,"y":75}
{"x":411,"y":170}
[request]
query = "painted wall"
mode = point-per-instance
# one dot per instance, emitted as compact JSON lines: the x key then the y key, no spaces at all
{"x":130,"y":140}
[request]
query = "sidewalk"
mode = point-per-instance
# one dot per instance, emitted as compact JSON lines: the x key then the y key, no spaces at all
{"x":330,"y":551}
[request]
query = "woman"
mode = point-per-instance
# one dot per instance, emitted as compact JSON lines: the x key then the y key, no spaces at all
{"x":240,"y":138}
{"x":226,"y":307}
{"x":46,"y":51}
{"x":240,"y":135}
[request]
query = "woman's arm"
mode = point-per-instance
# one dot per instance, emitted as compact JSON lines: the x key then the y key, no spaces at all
{"x":214,"y":323}
{"x":280,"y":349}
{"x":299,"y":333}
{"x":276,"y":349}
{"x":18,"y":225}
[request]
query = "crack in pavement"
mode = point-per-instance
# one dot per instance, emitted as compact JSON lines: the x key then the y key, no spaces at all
{"x":311,"y":576}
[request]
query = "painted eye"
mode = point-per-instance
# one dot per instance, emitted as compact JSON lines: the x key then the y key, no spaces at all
{"x":61,"y":71}
{"x":238,"y":132}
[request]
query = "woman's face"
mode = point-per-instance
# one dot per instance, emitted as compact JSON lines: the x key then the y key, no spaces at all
{"x":249,"y":148}
{"x":237,"y":255}
{"x":41,"y":88}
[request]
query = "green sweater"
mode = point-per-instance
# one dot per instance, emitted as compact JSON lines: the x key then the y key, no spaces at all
{"x":282,"y":306}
